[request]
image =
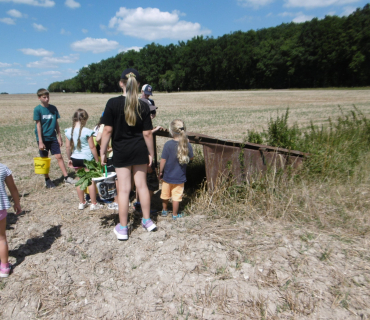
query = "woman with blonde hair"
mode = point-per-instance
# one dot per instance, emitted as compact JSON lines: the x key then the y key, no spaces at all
{"x":127,"y":121}
{"x":176,"y":155}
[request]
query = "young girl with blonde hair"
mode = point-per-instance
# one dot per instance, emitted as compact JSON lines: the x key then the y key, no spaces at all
{"x":176,"y":155}
{"x":127,"y":120}
{"x":80,"y":146}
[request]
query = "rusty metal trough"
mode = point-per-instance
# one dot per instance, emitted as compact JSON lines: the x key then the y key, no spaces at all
{"x":241,"y":159}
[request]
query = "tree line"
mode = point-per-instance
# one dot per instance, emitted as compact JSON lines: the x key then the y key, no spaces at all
{"x":331,"y":52}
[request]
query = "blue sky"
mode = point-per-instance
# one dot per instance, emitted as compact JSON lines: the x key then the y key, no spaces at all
{"x":50,"y":40}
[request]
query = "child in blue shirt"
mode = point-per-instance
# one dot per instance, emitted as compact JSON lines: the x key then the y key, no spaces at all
{"x":176,"y":155}
{"x":80,"y":146}
{"x":48,"y":134}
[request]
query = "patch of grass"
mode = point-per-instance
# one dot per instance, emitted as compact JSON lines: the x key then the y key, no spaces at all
{"x":325,"y":255}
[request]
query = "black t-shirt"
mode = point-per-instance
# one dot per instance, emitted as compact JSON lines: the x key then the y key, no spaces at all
{"x":128,"y":143}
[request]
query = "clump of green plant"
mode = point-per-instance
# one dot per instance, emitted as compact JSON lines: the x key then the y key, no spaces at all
{"x":279,"y":134}
{"x":95,"y":171}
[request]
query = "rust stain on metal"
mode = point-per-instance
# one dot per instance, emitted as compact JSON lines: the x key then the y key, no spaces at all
{"x":242,"y":160}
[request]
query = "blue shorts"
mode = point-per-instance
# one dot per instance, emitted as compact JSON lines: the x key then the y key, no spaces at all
{"x":52,"y":146}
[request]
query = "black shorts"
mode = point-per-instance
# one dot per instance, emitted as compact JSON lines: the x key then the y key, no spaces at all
{"x":78,"y":163}
{"x":52,"y":146}
{"x":152,"y":180}
{"x":110,"y":166}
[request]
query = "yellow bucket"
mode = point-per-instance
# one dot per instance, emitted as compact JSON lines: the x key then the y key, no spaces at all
{"x":42,"y":165}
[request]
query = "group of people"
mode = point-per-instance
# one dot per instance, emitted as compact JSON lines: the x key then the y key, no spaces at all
{"x":125,"y":135}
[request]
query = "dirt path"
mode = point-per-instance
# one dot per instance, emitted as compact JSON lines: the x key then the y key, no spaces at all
{"x":69,"y":265}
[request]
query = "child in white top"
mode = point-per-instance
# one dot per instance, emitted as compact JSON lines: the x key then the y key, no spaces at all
{"x":80,"y":146}
{"x":6,"y":176}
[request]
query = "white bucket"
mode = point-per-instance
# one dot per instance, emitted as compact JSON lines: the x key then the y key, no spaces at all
{"x":106,"y":186}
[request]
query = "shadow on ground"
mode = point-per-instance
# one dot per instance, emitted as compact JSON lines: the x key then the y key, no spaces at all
{"x":36,"y":245}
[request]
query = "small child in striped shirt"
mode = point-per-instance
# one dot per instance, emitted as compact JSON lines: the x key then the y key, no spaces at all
{"x":6,"y":176}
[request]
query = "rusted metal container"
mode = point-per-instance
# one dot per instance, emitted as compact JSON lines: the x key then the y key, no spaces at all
{"x":241,"y":160}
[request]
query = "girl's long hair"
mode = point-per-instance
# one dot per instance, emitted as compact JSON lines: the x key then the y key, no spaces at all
{"x":178,"y":129}
{"x":82,"y":116}
{"x":132,"y":99}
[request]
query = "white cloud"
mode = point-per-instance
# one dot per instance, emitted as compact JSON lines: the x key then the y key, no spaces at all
{"x":15,"y":13}
{"x":50,"y":73}
{"x":347,"y":11}
{"x":72,"y":4}
{"x":37,"y":3}
{"x":39,"y":27}
{"x":85,"y":31}
{"x":152,"y":24}
{"x":94,"y":45}
{"x":53,"y":62}
{"x":286,"y":14}
{"x":37,"y":52}
{"x":254,"y":3}
{"x":128,"y":49}
{"x":72,"y":71}
{"x":302,"y":18}
{"x":12,"y":72}
{"x":62,"y":31}
{"x":316,"y":3}
{"x":7,"y":20}
{"x":4,"y":65}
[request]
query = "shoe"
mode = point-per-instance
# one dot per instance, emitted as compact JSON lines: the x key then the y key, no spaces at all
{"x":4,"y":273}
{"x":49,"y":184}
{"x":82,"y":206}
{"x":70,"y":180}
{"x":96,"y":206}
{"x":179,"y":215}
{"x":164,"y":213}
{"x":137,"y":206}
{"x":121,"y":233}
{"x":113,"y":206}
{"x":149,"y":225}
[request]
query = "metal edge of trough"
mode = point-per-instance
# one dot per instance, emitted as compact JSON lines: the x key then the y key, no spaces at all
{"x":241,"y":158}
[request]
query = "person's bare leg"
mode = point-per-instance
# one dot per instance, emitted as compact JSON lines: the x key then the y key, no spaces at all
{"x":165,"y":205}
{"x":175,"y":207}
{"x":142,"y":189}
{"x":61,"y":164}
{"x":3,"y":243}
{"x":81,"y":194}
{"x":124,"y":183}
{"x":92,"y":192}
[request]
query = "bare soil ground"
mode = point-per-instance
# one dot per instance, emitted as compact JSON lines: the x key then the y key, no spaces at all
{"x":69,"y":264}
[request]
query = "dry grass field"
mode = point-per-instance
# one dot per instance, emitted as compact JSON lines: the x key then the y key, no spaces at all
{"x":305,"y":255}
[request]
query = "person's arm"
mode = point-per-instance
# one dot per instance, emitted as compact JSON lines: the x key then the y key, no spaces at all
{"x":161,"y":168}
{"x":39,"y":134}
{"x":107,"y":132}
{"x":157,"y":128}
{"x":69,"y":152}
{"x":14,"y":192}
{"x":93,"y":148}
{"x":148,"y":138}
{"x":59,"y":137}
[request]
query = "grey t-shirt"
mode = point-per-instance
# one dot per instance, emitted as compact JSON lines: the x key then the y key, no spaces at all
{"x":174,"y":172}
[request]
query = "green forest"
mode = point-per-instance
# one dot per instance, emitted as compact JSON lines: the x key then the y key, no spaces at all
{"x":331,"y":52}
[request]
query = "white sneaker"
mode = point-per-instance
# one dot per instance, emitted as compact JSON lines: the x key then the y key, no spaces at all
{"x":82,"y":206}
{"x":96,"y":206}
{"x":113,"y":206}
{"x":70,"y":180}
